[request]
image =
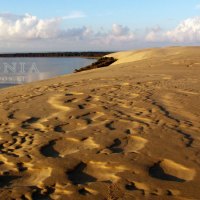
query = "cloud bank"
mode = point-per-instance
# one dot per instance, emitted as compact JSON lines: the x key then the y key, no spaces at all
{"x":28,"y":32}
{"x":31,"y":27}
{"x":188,"y":31}
{"x":28,"y":29}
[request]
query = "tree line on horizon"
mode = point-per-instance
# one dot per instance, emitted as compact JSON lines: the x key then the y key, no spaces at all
{"x":57,"y":54}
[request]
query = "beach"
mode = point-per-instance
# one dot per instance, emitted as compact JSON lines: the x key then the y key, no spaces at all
{"x":124,"y":132}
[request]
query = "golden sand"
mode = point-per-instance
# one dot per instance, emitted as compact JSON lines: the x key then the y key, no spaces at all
{"x":128,"y":131}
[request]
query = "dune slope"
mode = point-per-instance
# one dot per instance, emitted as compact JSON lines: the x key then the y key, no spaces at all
{"x":128,"y":131}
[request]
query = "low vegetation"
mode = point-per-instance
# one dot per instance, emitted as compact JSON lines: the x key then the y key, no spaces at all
{"x":102,"y":62}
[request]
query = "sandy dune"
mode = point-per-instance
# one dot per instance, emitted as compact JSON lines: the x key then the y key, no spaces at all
{"x":128,"y":131}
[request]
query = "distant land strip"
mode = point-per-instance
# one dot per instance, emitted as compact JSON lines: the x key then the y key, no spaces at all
{"x":56,"y":54}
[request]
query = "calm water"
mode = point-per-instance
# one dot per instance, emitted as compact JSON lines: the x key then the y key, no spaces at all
{"x":23,"y":70}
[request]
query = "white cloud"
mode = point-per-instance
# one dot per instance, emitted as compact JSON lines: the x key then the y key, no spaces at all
{"x":27,"y":27}
{"x":15,"y":27}
{"x":30,"y":32}
{"x":119,"y":30}
{"x":187,"y":31}
{"x":24,"y":29}
{"x":122,"y":33}
{"x":75,"y":15}
{"x":117,"y":34}
{"x":155,"y":34}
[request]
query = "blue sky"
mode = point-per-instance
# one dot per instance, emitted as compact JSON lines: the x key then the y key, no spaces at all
{"x":137,"y":13}
{"x":84,"y":24}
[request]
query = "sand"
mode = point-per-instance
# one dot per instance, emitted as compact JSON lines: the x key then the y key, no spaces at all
{"x":128,"y":131}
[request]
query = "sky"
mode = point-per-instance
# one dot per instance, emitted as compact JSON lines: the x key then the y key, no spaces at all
{"x":97,"y":25}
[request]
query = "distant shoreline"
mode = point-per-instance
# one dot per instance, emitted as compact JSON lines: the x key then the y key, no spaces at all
{"x":55,"y":54}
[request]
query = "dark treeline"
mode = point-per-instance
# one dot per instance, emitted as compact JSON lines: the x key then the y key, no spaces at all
{"x":57,"y":54}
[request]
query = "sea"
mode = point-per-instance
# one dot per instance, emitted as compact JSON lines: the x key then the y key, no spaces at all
{"x":14,"y":71}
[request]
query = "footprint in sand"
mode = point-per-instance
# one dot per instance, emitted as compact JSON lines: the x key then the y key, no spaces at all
{"x":115,"y":147}
{"x":6,"y":180}
{"x":135,"y":144}
{"x":9,"y":164}
{"x":60,"y":191}
{"x":56,"y":102}
{"x":78,"y":176}
{"x":89,"y":143}
{"x":49,"y":151}
{"x":172,"y":171}
{"x":138,"y":186}
{"x":35,"y":176}
{"x":73,"y":145}
{"x":104,"y":171}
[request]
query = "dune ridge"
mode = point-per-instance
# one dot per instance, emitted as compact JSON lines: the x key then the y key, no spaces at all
{"x":127,"y":131}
